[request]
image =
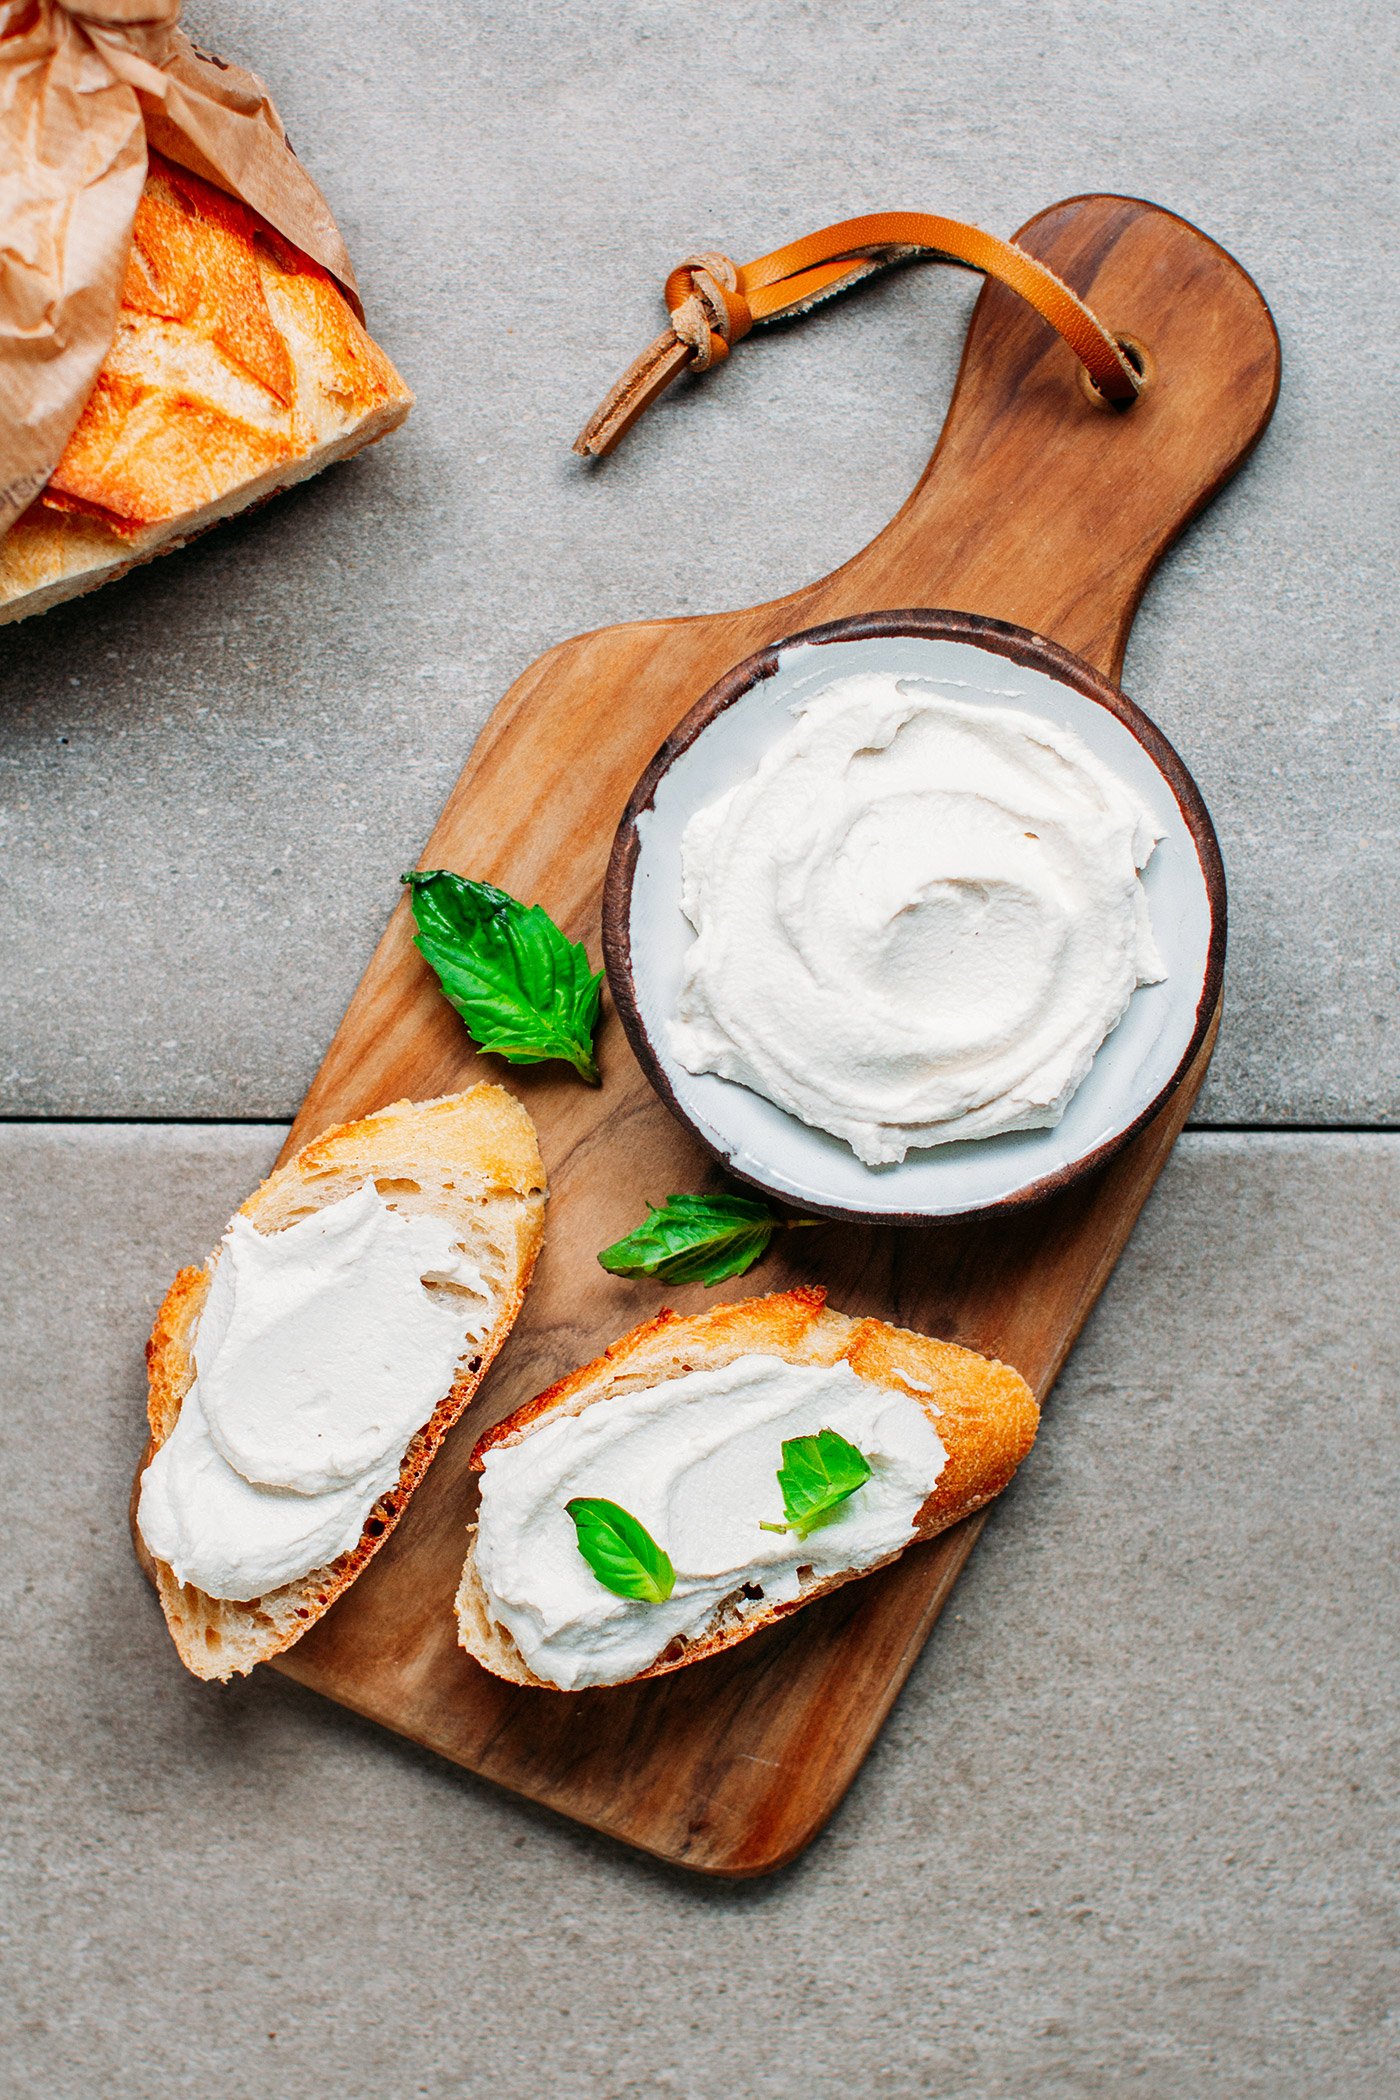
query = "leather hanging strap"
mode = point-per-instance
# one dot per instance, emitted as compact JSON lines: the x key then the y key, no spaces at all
{"x":714,"y":302}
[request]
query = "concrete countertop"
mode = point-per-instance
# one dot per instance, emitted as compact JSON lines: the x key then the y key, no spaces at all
{"x":1129,"y":1829}
{"x":1125,"y":1832}
{"x":217,"y":770}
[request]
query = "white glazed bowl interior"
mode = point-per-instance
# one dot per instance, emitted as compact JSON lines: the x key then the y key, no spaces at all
{"x":766,"y":1145}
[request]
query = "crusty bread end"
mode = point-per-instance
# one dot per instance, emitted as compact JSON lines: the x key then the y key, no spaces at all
{"x":984,"y":1413}
{"x":471,"y":1157}
{"x":237,"y":369}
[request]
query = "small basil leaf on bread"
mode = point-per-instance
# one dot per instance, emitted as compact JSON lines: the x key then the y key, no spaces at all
{"x":620,"y":1550}
{"x":523,"y":988}
{"x":817,"y":1475}
{"x":696,"y":1239}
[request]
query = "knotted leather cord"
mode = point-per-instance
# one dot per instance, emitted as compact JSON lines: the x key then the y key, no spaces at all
{"x":714,"y":303}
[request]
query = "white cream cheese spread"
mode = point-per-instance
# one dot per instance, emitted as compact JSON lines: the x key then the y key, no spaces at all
{"x":916,"y":921}
{"x":694,"y":1459}
{"x":318,"y":1355}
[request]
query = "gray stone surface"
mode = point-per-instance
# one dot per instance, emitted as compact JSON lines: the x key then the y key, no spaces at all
{"x":214,"y":772}
{"x":1130,"y":1829}
{"x":1125,"y":1834}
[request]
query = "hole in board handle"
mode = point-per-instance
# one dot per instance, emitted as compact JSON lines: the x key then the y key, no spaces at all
{"x":1141,"y":361}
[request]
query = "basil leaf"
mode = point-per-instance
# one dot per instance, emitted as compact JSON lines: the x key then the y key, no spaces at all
{"x":523,"y":989}
{"x":621,"y":1552}
{"x":816,"y":1476}
{"x":694,"y":1239}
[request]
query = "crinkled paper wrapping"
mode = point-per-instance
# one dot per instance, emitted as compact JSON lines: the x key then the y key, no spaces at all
{"x":84,"y":85}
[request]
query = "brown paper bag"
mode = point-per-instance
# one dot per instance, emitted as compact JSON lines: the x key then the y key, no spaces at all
{"x":84,"y":86}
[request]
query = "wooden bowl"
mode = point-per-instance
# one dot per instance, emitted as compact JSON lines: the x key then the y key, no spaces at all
{"x":646,"y":935}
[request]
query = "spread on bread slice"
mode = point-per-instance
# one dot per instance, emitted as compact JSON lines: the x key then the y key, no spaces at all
{"x":303,"y":1379}
{"x":736,"y":1464}
{"x":236,"y":369}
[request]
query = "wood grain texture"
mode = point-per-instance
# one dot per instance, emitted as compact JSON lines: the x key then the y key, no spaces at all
{"x":1040,"y":508}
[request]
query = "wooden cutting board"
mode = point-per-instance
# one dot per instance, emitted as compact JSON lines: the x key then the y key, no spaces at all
{"x":1038,"y":507}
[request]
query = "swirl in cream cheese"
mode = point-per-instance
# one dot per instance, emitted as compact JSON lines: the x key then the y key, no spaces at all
{"x":916,"y":921}
{"x":695,"y":1459}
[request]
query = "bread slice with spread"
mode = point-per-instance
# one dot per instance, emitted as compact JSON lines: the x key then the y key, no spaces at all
{"x":463,"y":1172}
{"x":702,"y":1408}
{"x":237,"y":368}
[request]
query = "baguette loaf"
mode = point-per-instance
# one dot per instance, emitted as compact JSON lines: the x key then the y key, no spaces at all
{"x":237,"y":368}
{"x":471,"y":1158}
{"x":984,"y":1413}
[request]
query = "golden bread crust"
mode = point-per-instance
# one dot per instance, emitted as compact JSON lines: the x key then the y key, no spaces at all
{"x":470,"y":1156}
{"x":984,"y":1412}
{"x":237,"y":368}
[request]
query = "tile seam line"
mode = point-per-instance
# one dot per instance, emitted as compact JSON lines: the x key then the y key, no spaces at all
{"x":283,"y":1122}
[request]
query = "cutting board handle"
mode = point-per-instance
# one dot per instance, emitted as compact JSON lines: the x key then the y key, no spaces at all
{"x":1044,"y":506}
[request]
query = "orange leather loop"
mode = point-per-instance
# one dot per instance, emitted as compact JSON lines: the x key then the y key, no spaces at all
{"x":713,"y":303}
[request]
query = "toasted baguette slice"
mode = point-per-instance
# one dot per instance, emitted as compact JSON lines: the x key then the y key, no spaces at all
{"x":984,"y":1413}
{"x":469,"y":1157}
{"x":237,"y":368}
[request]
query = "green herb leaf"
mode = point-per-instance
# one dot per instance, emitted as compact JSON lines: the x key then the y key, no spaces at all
{"x":695,"y":1239}
{"x":816,"y":1476}
{"x":523,"y":989}
{"x":621,"y":1552}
